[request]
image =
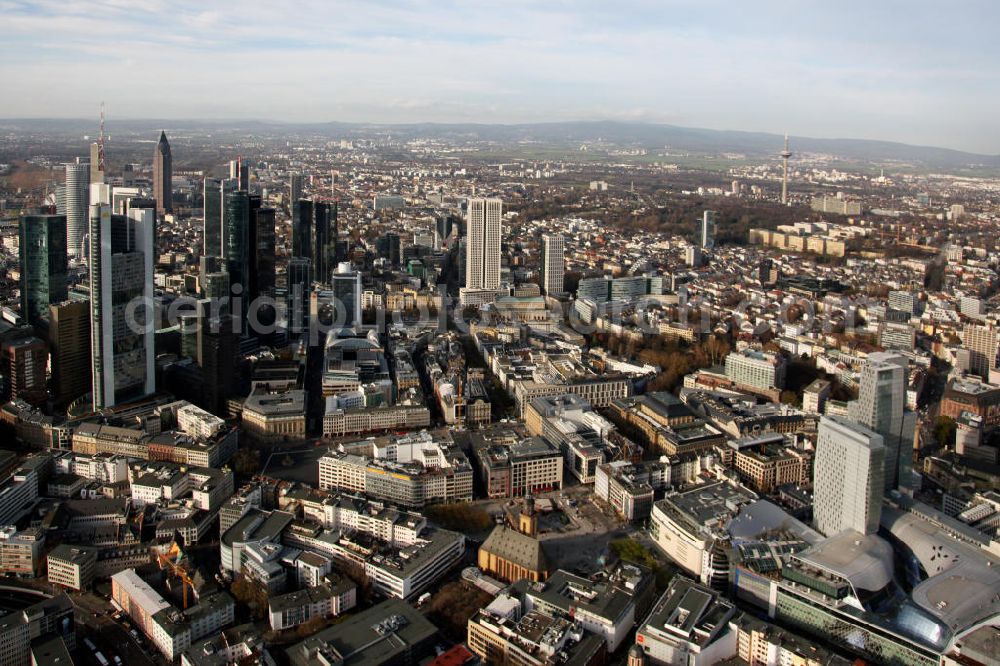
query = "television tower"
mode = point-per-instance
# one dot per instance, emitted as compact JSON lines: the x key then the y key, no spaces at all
{"x":785,"y":154}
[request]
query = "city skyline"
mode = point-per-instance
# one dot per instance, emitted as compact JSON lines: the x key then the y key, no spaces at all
{"x":825,"y":75}
{"x":588,"y":392}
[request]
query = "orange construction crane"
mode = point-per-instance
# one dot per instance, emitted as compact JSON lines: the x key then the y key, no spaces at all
{"x":172,"y":560}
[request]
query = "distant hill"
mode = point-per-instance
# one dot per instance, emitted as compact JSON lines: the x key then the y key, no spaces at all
{"x":558,"y":134}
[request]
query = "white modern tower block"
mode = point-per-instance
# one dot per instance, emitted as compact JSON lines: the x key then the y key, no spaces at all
{"x":848,"y":477}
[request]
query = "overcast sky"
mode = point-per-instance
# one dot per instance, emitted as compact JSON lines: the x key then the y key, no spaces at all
{"x":919,"y":71}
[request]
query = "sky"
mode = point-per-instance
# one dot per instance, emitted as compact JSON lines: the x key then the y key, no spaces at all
{"x":922,"y":72}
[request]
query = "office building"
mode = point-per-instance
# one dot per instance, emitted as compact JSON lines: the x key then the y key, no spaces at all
{"x":216,"y":350}
{"x":347,"y":295}
{"x":848,"y":477}
{"x":392,"y":632}
{"x":235,"y":645}
{"x":629,"y":488}
{"x":262,"y":275}
{"x":881,"y":406}
{"x":69,"y":347}
{"x":901,"y":336}
{"x":509,"y":632}
{"x":553,"y":264}
{"x":213,"y":280}
{"x":274,"y":414}
{"x":706,"y":230}
{"x":756,"y":369}
{"x":606,"y":289}
{"x":214,"y":193}
{"x":690,"y":624}
{"x":96,"y":163}
{"x":302,"y":228}
{"x":77,"y":201}
{"x":443,"y":226}
{"x":512,"y":467}
{"x":324,"y":241}
{"x":482,"y":258}
{"x":320,"y":601}
{"x":72,"y":567}
{"x":835,"y":204}
{"x":163,"y":173}
{"x":693,"y":256}
{"x":690,"y":527}
{"x":981,"y":340}
{"x":407,"y":470}
{"x":21,"y":551}
{"x":294,"y":188}
{"x":390,"y":247}
{"x":239,"y":171}
{"x":235,"y":239}
{"x":299,"y":286}
{"x":121,"y":287}
{"x":137,"y":598}
{"x":42,"y":247}
{"x":336,"y":254}
{"x":904,"y":301}
{"x":765,"y":462}
{"x":49,"y":620}
{"x":388,"y":202}
{"x":26,"y":362}
{"x":608,"y":607}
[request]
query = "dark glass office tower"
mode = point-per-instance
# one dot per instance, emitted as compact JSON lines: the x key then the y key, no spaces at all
{"x":299,"y":279}
{"x":302,"y":223}
{"x":42,"y":246}
{"x":69,"y":345}
{"x":321,"y":248}
{"x":213,"y":194}
{"x":389,"y":247}
{"x":444,"y":223}
{"x":217,"y":344}
{"x":236,"y":238}
{"x":239,"y":172}
{"x":335,"y":238}
{"x":263,"y":265}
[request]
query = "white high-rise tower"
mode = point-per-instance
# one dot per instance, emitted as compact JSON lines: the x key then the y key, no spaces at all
{"x":77,"y":202}
{"x":553,"y":263}
{"x":482,"y":248}
{"x":847,"y":477}
{"x":706,"y":232}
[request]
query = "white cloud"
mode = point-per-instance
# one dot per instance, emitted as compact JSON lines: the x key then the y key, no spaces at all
{"x":863,"y":71}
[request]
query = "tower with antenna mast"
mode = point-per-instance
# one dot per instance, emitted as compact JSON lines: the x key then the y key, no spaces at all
{"x":100,"y":144}
{"x":97,"y":170}
{"x":785,"y":154}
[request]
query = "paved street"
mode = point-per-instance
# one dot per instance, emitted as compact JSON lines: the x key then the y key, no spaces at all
{"x":110,"y":637}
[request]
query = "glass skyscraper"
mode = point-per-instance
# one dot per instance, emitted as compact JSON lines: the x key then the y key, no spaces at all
{"x":121,"y":300}
{"x":42,"y":246}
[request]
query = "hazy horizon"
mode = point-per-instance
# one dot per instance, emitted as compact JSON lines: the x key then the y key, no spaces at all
{"x":917,"y":73}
